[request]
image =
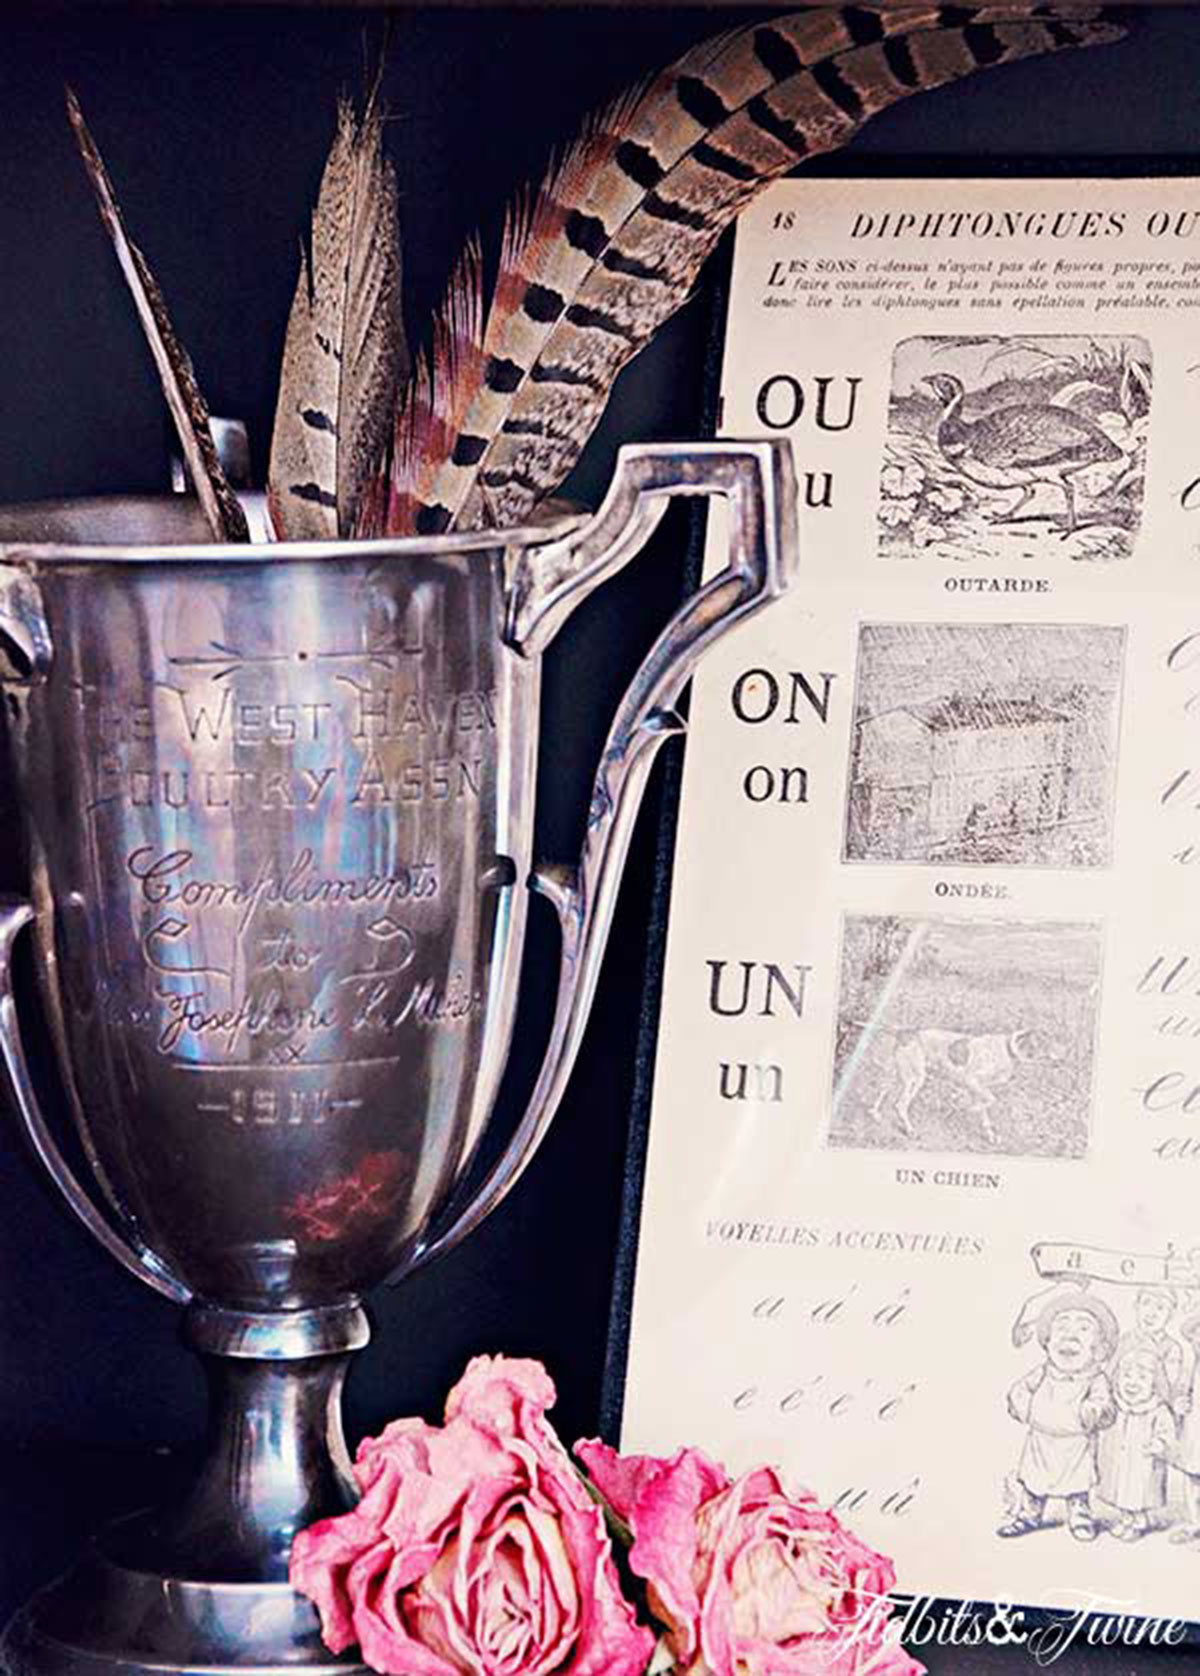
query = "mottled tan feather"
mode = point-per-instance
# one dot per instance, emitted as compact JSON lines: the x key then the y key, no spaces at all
{"x":344,"y":353}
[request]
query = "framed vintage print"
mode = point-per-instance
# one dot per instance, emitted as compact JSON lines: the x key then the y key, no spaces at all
{"x":921,"y":1131}
{"x":287,"y":760}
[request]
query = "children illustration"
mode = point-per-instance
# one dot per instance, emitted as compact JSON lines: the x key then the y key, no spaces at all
{"x":1112,"y":1410}
{"x":1134,"y":1452}
{"x":1186,"y":1456}
{"x":1064,"y":1404}
{"x":1152,"y":1310}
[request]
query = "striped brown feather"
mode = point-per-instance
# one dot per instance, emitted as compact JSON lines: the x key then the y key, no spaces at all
{"x":531,"y":246}
{"x":606,"y":177}
{"x":431,"y":411}
{"x":543,"y":257}
{"x":647,"y":268}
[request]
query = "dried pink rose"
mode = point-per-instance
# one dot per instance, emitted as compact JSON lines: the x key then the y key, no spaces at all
{"x":747,"y":1579}
{"x":475,"y":1550}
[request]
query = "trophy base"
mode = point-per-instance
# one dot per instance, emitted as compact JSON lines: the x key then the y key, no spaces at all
{"x":104,"y":1619}
{"x":200,"y":1585}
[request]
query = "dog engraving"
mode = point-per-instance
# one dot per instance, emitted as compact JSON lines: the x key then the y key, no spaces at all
{"x":977,"y":1063}
{"x":966,"y":1035}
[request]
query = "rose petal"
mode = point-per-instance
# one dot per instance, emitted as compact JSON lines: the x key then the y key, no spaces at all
{"x":502,"y":1395}
{"x":526,"y":1602}
{"x":382,"y":1635}
{"x":320,"y":1564}
{"x":401,"y":1655}
{"x":660,"y":1501}
{"x":610,"y":1641}
{"x":622,"y":1479}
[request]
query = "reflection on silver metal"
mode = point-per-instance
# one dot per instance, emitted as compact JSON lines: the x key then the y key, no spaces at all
{"x":279,"y":808}
{"x":232,"y":442}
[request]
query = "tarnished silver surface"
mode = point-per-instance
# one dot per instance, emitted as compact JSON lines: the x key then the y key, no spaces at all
{"x":279,"y":810}
{"x":231,"y":438}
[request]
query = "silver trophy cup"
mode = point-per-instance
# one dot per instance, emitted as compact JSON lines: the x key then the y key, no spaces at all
{"x":278,"y":804}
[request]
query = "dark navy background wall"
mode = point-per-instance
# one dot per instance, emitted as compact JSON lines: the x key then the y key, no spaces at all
{"x":215,"y":123}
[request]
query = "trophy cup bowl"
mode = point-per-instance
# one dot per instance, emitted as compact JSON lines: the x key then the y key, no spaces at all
{"x":278,"y":805}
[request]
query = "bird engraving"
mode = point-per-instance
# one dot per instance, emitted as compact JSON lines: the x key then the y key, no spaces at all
{"x":1019,"y":446}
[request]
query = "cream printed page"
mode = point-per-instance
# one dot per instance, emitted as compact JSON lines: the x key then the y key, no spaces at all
{"x":921,"y":1217}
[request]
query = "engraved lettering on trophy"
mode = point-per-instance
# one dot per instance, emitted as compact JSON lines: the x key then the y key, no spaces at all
{"x":297,"y":885}
{"x":242,"y":790}
{"x":282,"y":953}
{"x":261,"y":1107}
{"x":444,"y":779}
{"x":441,"y":736}
{"x":376,"y":998}
{"x":370,"y":988}
{"x":156,"y":944}
{"x":383,"y":712}
{"x":118,"y":725}
{"x":257,"y":1007}
{"x":252,"y":724}
{"x":380,"y":1007}
{"x":269,"y":1016}
{"x":235,"y":789}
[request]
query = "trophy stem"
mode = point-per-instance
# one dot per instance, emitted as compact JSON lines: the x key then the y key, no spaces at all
{"x":202,"y":1582}
{"x":276,"y":1458}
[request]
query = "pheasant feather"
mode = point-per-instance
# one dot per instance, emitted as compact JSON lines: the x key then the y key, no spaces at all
{"x":344,"y":354}
{"x":188,"y":409}
{"x":434,"y":403}
{"x":646,"y":194}
{"x":549,"y":254}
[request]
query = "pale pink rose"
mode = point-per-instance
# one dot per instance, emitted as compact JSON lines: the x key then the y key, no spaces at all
{"x":475,"y":1549}
{"x":747,"y":1579}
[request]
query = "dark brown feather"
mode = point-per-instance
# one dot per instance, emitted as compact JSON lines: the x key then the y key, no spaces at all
{"x":188,"y":408}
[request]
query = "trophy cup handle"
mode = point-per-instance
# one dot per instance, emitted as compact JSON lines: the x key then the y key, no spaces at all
{"x":758,"y":481}
{"x":15,"y":915}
